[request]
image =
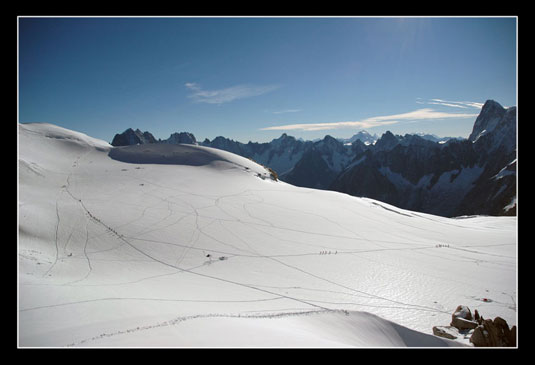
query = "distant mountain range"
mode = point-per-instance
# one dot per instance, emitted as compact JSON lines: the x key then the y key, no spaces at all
{"x":443,"y":176}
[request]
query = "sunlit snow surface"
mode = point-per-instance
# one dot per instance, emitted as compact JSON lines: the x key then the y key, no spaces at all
{"x":218,"y":254}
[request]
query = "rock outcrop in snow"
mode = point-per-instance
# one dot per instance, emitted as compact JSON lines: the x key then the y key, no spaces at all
{"x":494,"y":333}
{"x":479,"y":331}
{"x":462,"y":318}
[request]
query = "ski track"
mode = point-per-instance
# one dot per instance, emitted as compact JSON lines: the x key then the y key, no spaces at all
{"x":178,"y":320}
{"x":148,"y":299}
{"x":200,"y":231}
{"x":56,"y":242}
{"x":246,"y":250}
{"x":89,"y":267}
{"x":120,"y":237}
{"x":274,"y":258}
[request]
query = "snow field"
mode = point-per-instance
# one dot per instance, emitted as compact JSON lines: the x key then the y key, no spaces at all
{"x":106,"y":247}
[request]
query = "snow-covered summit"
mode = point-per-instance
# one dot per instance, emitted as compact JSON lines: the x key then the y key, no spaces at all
{"x":49,"y":130}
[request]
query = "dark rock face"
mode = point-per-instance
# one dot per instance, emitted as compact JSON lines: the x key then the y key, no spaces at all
{"x":365,"y":179}
{"x":181,"y":138}
{"x":281,"y":154}
{"x":130,"y":137}
{"x":387,"y":142}
{"x":494,"y":333}
{"x":311,"y":171}
{"x":459,"y":177}
{"x":488,"y":119}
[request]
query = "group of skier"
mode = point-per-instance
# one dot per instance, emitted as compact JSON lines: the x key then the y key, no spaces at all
{"x":328,"y":252}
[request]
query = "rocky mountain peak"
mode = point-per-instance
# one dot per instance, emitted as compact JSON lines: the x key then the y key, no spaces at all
{"x":329,"y":142}
{"x":181,"y":138}
{"x":387,"y":142}
{"x":131,"y":137}
{"x":284,"y":141}
{"x":489,"y":117}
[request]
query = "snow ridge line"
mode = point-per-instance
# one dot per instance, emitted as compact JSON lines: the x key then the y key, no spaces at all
{"x":177,"y":320}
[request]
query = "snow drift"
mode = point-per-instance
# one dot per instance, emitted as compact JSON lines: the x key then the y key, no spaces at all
{"x":189,"y":246}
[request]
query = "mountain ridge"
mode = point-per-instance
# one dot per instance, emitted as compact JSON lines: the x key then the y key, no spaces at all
{"x":450,"y":179}
{"x":446,"y":176}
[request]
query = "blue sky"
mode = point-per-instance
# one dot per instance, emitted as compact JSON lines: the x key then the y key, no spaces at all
{"x":256,"y":78}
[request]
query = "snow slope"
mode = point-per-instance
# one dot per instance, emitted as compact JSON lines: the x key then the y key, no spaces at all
{"x":178,"y":246}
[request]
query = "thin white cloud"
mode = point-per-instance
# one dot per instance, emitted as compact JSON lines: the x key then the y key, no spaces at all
{"x":453,"y":104}
{"x":287,"y":111}
{"x":227,"y":94}
{"x":416,"y":115}
{"x":447,"y":104}
{"x":325,"y":126}
{"x":474,"y":104}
